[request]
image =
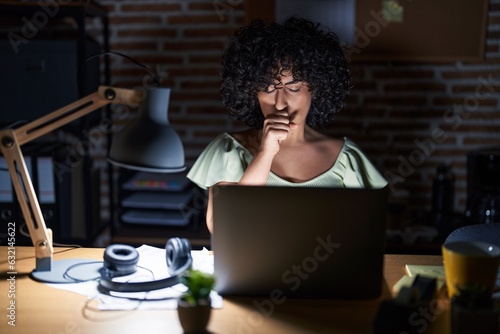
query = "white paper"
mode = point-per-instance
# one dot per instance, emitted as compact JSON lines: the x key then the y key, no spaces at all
{"x":151,"y":266}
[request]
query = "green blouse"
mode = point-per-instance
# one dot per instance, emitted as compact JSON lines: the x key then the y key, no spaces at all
{"x":225,"y":160}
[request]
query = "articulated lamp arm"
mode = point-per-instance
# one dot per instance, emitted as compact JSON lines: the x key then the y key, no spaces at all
{"x":11,"y":141}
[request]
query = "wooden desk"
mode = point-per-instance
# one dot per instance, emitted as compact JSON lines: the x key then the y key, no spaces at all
{"x":43,"y":309}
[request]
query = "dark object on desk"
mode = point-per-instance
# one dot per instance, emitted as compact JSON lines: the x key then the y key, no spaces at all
{"x":285,"y":242}
{"x":472,"y":309}
{"x":483,"y":186}
{"x":442,"y":200}
{"x":405,"y":313}
{"x":410,"y":311}
{"x":442,"y":190}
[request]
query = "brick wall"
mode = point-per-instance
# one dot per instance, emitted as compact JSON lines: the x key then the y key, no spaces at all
{"x":412,"y":117}
{"x":409,"y":117}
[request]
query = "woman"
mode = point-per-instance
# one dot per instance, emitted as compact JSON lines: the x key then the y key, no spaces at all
{"x":284,"y":81}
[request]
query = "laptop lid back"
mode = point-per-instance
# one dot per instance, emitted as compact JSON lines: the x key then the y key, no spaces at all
{"x":299,"y":242}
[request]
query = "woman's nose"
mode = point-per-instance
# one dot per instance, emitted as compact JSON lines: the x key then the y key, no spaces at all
{"x":280,"y":102}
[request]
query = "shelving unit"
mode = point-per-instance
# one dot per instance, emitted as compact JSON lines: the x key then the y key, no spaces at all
{"x":30,"y":23}
{"x":77,"y":10}
{"x":154,"y":207}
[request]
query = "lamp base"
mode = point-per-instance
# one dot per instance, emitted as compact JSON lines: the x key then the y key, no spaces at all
{"x":70,"y":271}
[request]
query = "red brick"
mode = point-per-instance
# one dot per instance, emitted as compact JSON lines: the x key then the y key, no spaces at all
{"x":470,"y":74}
{"x":196,"y":110}
{"x":215,"y":60}
{"x":493,"y":35}
{"x":481,"y":141}
{"x":492,"y":48}
{"x":200,"y":46}
{"x":157,"y":32}
{"x":200,"y":85}
{"x":159,"y":58}
{"x":484,"y":129}
{"x":418,"y":115}
{"x":494,"y":7}
{"x":123,"y":20}
{"x":403,"y":73}
{"x":194,"y":72}
{"x":363,"y":85}
{"x":209,"y":32}
{"x":201,"y":6}
{"x":237,"y":5}
{"x":196,"y":96}
{"x":492,"y":20}
{"x":477,"y":89}
{"x":195,"y":19}
{"x":412,"y":87}
{"x":149,"y":7}
{"x":463,"y":101}
{"x":396,"y":100}
{"x":142,"y":46}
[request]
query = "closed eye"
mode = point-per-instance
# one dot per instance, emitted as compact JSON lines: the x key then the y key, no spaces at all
{"x":292,"y":87}
{"x":293,"y":90}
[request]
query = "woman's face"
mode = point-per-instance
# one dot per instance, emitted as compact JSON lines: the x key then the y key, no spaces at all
{"x":287,"y":95}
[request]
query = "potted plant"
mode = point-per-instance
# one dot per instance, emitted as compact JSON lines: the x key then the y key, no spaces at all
{"x":194,"y":305}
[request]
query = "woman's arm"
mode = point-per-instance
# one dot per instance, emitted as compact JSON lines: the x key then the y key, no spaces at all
{"x":276,"y":127}
{"x":209,"y":215}
{"x":258,"y":170}
{"x":256,"y":173}
{"x":275,"y":130}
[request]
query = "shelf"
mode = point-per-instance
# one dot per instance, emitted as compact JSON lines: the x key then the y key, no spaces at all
{"x":197,"y":233}
{"x":77,"y":10}
{"x":154,"y":207}
{"x":14,"y":16}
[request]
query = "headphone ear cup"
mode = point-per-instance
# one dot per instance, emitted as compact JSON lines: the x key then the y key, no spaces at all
{"x":120,"y":260}
{"x":178,"y":255}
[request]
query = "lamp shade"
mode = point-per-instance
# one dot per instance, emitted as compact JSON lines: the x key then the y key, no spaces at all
{"x":148,"y":142}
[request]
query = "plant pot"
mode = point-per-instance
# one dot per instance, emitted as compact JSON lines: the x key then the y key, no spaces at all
{"x":194,"y":318}
{"x":464,"y":321}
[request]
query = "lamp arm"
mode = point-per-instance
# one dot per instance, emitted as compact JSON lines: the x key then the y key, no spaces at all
{"x":10,"y":146}
{"x":41,"y":237}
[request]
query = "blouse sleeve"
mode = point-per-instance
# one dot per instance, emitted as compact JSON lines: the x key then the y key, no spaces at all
{"x":359,"y":171}
{"x":223,"y":160}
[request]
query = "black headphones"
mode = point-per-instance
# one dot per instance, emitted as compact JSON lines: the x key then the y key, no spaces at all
{"x":121,"y":260}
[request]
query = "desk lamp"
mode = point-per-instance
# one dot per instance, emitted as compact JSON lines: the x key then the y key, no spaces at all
{"x":147,"y":143}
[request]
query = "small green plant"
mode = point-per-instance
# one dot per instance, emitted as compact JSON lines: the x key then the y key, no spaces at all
{"x":199,"y":284}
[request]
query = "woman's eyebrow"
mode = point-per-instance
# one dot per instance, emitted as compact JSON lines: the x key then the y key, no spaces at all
{"x":291,"y":82}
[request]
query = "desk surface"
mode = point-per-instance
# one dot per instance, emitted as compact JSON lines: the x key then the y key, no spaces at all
{"x":43,"y":309}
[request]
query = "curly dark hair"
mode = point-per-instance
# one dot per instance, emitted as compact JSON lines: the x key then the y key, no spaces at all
{"x":258,"y":52}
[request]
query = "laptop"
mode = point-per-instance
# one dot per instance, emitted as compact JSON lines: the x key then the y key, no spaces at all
{"x":299,"y":242}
